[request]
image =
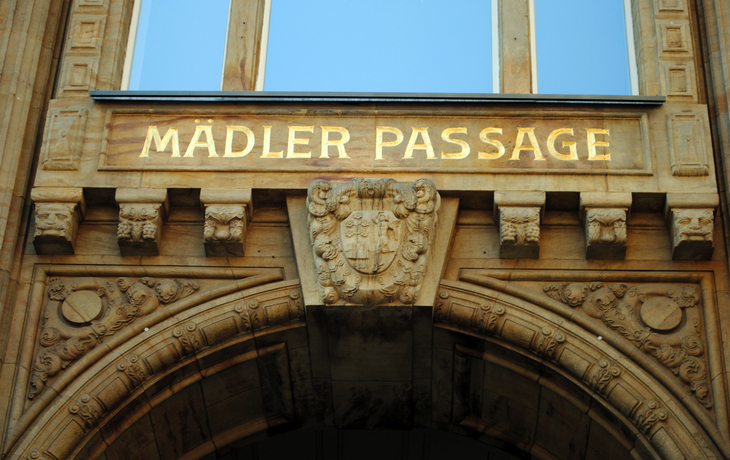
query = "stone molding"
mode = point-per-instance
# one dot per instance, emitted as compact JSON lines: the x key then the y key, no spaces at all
{"x":691,"y":221}
{"x":518,"y":214}
{"x":58,"y":213}
{"x":142,"y":215}
{"x":617,"y":382}
{"x":227,"y":213}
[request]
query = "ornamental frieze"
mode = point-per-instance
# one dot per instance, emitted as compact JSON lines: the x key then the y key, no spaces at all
{"x":371,"y":239}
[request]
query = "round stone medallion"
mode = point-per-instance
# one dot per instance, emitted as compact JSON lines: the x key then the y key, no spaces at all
{"x":81,"y":307}
{"x":661,"y":313}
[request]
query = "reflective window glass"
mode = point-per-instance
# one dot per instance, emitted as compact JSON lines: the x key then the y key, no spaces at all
{"x":581,"y":47}
{"x":179,"y":45}
{"x":380,"y":46}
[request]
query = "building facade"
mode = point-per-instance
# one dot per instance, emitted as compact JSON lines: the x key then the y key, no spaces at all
{"x":246,"y":274}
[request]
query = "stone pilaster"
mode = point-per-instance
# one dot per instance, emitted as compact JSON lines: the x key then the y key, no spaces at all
{"x":604,"y":218}
{"x":518,"y":214}
{"x":142,"y":214}
{"x":691,"y":220}
{"x":227,"y":213}
{"x":58,"y":213}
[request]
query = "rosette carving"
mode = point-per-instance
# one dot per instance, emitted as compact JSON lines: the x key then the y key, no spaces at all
{"x":371,"y":239}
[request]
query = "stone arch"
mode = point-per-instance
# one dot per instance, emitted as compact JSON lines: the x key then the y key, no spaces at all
{"x":623,"y":381}
{"x":257,"y":330}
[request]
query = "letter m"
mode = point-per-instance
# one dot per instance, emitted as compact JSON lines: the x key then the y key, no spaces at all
{"x":161,"y":143}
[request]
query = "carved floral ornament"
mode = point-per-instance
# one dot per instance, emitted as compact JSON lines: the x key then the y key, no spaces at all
{"x":371,"y":238}
{"x":662,"y":320}
{"x":80,"y":313}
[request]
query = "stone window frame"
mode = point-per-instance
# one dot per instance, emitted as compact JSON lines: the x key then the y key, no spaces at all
{"x":244,"y":61}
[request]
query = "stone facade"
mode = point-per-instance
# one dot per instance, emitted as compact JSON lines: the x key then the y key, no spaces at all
{"x":187,"y":278}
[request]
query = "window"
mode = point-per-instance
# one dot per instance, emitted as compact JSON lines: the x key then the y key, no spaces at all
{"x":581,"y":47}
{"x":178,"y":45}
{"x":416,"y":46}
{"x":380,"y":46}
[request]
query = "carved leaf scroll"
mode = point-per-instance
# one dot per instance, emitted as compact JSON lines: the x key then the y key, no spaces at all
{"x":660,"y":319}
{"x":80,"y":313}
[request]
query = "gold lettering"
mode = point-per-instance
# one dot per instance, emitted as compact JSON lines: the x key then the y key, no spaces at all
{"x":195,"y":141}
{"x":500,"y":147}
{"x":250,"y":140}
{"x":423,"y":131}
{"x":339,"y":143}
{"x":293,"y":140}
{"x":465,"y":149}
{"x":267,"y":153}
{"x":573,"y":155}
{"x":160,"y":143}
{"x":533,"y":144}
{"x":593,"y":143}
{"x":380,"y":143}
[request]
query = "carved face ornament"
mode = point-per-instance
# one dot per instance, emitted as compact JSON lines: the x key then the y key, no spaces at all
{"x":53,"y":219}
{"x":694,"y":224}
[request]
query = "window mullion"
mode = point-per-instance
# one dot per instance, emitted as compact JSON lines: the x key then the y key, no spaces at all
{"x":516,"y":49}
{"x":243,"y":46}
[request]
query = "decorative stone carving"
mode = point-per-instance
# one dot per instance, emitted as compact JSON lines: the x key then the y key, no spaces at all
{"x":519,"y":233}
{"x":604,"y":375}
{"x":604,"y":216}
{"x":89,"y":409}
{"x":63,"y":138}
{"x":134,"y":369}
{"x":227,"y":214}
{"x":258,"y":313}
{"x":687,"y":145}
{"x":692,"y":231}
{"x":142,"y":215}
{"x":662,"y":320}
{"x":371,"y":239}
{"x":605,"y":233}
{"x":647,"y":417}
{"x":690,"y":217}
{"x":58,"y":213}
{"x":80,"y":313}
{"x":225,"y":230}
{"x":518,"y":214}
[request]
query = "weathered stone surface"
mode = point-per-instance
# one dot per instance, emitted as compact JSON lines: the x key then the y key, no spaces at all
{"x":142,"y":214}
{"x":371,"y":239}
{"x":58,"y":213}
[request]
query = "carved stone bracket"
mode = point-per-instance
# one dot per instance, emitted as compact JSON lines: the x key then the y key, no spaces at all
{"x":142,"y":214}
{"x":58,"y":213}
{"x":691,"y":223}
{"x":227,"y":214}
{"x":371,"y":239}
{"x":518,"y":214}
{"x":604,"y":218}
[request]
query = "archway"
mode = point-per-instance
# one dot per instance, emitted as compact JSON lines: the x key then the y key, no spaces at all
{"x":236,"y":369}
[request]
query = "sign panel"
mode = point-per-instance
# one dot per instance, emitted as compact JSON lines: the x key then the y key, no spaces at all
{"x":600,"y":144}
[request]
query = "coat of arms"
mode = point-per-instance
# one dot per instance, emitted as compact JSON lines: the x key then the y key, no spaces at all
{"x":371,"y":238}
